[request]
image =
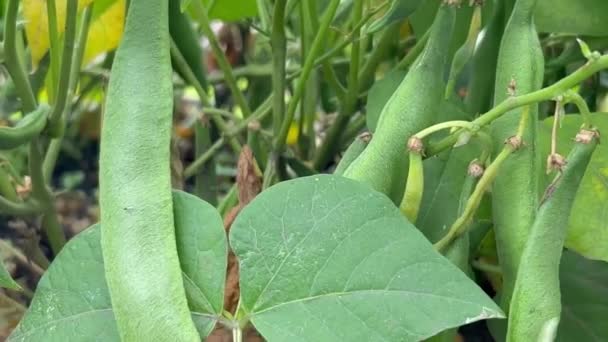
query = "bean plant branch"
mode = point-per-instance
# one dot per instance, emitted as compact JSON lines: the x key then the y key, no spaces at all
{"x":349,"y":103}
{"x":63,"y":88}
{"x":11,"y":59}
{"x":545,"y":94}
{"x":205,"y":26}
{"x":51,"y":11}
{"x":306,"y":70}
{"x":203,"y":97}
{"x":462,"y":223}
{"x":79,"y":46}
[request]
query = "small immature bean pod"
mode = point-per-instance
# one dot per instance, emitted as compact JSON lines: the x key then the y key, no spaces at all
{"x":138,"y":236}
{"x":536,"y":304}
{"x":412,"y":197}
{"x":29,"y":127}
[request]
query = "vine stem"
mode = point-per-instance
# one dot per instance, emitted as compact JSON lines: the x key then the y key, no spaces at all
{"x":547,"y":93}
{"x":67,"y":57}
{"x":306,"y":70}
{"x":51,"y":13}
{"x":11,"y":59}
{"x":574,"y":97}
{"x":349,"y":102}
{"x":462,"y":223}
{"x":79,"y":46}
{"x":224,"y":64}
{"x":446,"y":125}
{"x":202,"y":95}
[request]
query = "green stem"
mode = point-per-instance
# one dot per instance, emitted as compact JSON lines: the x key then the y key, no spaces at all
{"x":413,"y":53}
{"x":381,"y":50}
{"x":329,"y":145}
{"x":12,"y":61}
{"x":9,"y":207}
{"x":51,"y":10}
{"x":461,"y":224}
{"x":79,"y":46}
{"x":306,"y":70}
{"x":258,"y":115}
{"x":180,"y":61}
{"x":63,"y":88}
{"x":263,"y":14}
{"x":50,"y":223}
{"x":278,"y":42}
{"x":445,"y":125}
{"x":222,"y":61}
{"x":581,"y":104}
{"x":486,"y":267}
{"x":548,"y":93}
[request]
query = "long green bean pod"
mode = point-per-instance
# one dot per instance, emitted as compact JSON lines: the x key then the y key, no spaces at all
{"x":536,"y":304}
{"x":480,"y":89}
{"x":138,"y":237}
{"x":515,"y":192}
{"x":26,"y":129}
{"x":412,"y":107}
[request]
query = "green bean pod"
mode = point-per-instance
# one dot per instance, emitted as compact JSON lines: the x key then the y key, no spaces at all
{"x":412,"y":196}
{"x":536,"y":305}
{"x":412,"y":107}
{"x":480,"y":89}
{"x":138,"y":237}
{"x":26,"y":129}
{"x":515,"y":192}
{"x":353,"y":152}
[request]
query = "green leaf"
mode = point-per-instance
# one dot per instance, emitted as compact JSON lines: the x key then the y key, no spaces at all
{"x":325,"y":258}
{"x":378,"y":96}
{"x":584,"y":299}
{"x":399,"y":10}
{"x":5,"y":279}
{"x":231,"y":10}
{"x":72,"y":302}
{"x":588,"y":227}
{"x":580,"y":17}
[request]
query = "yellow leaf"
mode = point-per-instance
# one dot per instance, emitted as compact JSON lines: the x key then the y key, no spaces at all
{"x":37,"y":24}
{"x":106,"y":31}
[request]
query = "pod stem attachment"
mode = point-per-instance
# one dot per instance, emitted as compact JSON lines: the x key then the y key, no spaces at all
{"x":461,"y":224}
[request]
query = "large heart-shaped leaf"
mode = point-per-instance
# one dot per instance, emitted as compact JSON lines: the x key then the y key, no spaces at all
{"x":72,"y":302}
{"x":325,"y":258}
{"x":588,"y":227}
{"x":581,"y":17}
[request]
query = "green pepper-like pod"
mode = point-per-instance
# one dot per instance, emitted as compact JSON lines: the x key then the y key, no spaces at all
{"x":352,"y":152}
{"x":536,"y":304}
{"x":515,"y":192}
{"x":26,"y":129}
{"x":138,"y":236}
{"x":412,"y":107}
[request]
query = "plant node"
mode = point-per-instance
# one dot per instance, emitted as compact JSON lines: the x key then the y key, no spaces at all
{"x":585,"y":136}
{"x":556,"y":162}
{"x":415,"y":144}
{"x":365,"y":137}
{"x":475,"y":169}
{"x":515,"y":142}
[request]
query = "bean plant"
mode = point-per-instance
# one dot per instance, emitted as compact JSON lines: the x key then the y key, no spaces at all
{"x":397,"y":170}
